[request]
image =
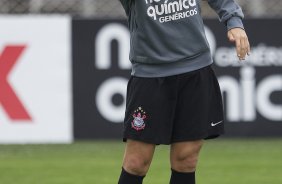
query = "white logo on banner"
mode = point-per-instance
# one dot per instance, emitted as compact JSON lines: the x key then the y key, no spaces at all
{"x":105,"y":93}
{"x":244,"y":98}
{"x":103,"y":46}
{"x":114,"y":85}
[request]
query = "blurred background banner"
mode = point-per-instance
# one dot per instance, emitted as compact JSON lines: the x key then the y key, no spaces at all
{"x":252,"y":90}
{"x":101,"y":69}
{"x":35,"y":79}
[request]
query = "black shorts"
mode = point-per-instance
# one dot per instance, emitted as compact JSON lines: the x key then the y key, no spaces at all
{"x":178,"y":108}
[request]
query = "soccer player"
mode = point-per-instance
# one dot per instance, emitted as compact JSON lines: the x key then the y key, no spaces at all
{"x":173,"y":96}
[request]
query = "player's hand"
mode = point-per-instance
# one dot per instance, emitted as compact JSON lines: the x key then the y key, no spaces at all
{"x":239,"y":36}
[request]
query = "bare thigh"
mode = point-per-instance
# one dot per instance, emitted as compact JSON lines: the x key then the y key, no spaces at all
{"x":138,"y":157}
{"x":184,"y":155}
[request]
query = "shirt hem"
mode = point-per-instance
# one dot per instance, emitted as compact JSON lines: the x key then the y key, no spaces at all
{"x":170,"y":69}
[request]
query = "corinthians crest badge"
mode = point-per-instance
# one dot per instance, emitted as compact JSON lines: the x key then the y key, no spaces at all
{"x":139,"y":116}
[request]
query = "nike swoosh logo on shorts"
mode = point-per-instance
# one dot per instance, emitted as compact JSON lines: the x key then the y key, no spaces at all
{"x":214,"y":124}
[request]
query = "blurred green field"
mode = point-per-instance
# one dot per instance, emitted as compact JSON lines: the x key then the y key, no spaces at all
{"x":223,"y":161}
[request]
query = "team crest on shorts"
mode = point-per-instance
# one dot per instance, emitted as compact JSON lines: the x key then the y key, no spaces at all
{"x":139,"y":116}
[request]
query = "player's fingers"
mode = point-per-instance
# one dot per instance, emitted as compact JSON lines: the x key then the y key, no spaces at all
{"x":230,"y":37}
{"x":238,"y":48}
{"x":244,"y":48}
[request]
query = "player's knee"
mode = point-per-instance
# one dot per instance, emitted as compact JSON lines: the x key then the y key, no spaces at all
{"x":185,"y":163}
{"x":136,"y":165}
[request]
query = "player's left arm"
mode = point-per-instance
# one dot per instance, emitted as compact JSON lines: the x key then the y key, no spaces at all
{"x":231,"y":14}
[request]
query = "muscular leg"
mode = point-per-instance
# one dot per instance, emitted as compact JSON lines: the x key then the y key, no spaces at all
{"x":183,"y":158}
{"x":137,"y":159}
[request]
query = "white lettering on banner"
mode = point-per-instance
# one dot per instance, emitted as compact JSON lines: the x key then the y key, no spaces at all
{"x":106,"y":91}
{"x":248,"y":80}
{"x":264,"y":90}
{"x":230,"y":86}
{"x":211,"y":39}
{"x":171,"y":11}
{"x":103,"y":42}
{"x":242,"y":98}
{"x":262,"y":55}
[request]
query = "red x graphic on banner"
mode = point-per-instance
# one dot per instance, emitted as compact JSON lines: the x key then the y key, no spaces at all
{"x":8,"y":98}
